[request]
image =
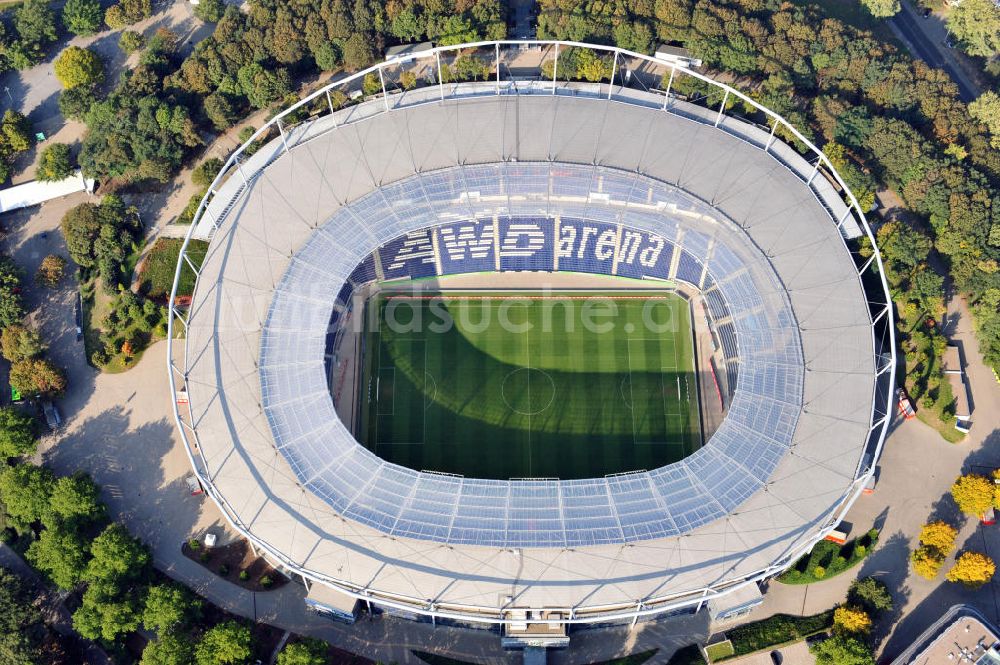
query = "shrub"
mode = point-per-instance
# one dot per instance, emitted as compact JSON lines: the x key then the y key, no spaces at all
{"x":870,"y":594}
{"x":194,"y":544}
{"x":82,"y":17}
{"x":204,"y":557}
{"x":819,"y":572}
{"x":223,"y":570}
{"x":244,"y":575}
{"x":205,"y":173}
{"x":266,"y":581}
{"x":938,"y":535}
{"x":37,"y":376}
{"x":99,"y":358}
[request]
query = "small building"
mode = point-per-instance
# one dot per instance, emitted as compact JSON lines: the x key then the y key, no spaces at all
{"x":527,"y":628}
{"x":333,"y":604}
{"x":408,"y":51}
{"x":961,"y":635}
{"x":677,"y":55}
{"x":35,"y":192}
{"x":736,"y":604}
{"x":952,"y":366}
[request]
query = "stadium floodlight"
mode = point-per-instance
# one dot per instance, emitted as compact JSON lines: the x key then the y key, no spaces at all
{"x":745,"y":210}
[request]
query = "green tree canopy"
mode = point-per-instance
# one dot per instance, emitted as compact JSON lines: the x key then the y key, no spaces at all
{"x":77,"y":67}
{"x":106,"y":613}
{"x":54,"y":163}
{"x":18,"y":342}
{"x":131,"y":41}
{"x":20,"y":622}
{"x":75,"y":500}
{"x":117,"y":557}
{"x":83,"y":17}
{"x":37,"y":376}
{"x":61,"y":553}
{"x":870,"y":594}
{"x":11,"y":310}
{"x":169,"y":649}
{"x":842,"y":650}
{"x":976,"y":24}
{"x":25,"y":490}
{"x":307,"y":651}
{"x":224,"y":644}
{"x":169,"y":607}
{"x":17,"y":433}
{"x":36,"y":23}
{"x":986,"y":109}
{"x":882,"y":8}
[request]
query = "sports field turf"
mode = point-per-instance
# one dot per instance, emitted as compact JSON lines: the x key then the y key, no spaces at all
{"x":528,"y":387}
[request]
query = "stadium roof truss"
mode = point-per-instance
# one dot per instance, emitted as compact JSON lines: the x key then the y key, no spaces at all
{"x":773,"y":232}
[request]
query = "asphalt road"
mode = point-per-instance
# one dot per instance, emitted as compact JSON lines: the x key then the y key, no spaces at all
{"x":931,"y":51}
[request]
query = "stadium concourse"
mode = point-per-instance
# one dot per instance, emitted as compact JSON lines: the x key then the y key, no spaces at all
{"x":520,"y":179}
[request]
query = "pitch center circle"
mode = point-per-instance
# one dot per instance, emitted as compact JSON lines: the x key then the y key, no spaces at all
{"x":528,"y":391}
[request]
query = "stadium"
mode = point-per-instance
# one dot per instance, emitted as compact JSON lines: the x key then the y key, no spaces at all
{"x":721,"y":420}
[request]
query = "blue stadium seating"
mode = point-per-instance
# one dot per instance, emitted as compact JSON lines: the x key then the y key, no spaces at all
{"x":688,"y":269}
{"x":466,"y":247}
{"x":526,"y":243}
{"x":410,"y":256}
{"x":585,"y":246}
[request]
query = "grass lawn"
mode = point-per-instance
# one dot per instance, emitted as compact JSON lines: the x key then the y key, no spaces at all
{"x":512,"y":387}
{"x":157,"y":275}
{"x":720,"y":650}
{"x":832,"y":558}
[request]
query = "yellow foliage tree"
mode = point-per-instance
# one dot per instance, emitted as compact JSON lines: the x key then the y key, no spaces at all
{"x":973,"y":569}
{"x":927,"y":562}
{"x":939,"y":535}
{"x":849,"y":619}
{"x":973,"y":493}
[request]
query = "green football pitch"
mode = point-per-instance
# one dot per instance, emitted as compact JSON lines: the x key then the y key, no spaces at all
{"x":510,"y":385}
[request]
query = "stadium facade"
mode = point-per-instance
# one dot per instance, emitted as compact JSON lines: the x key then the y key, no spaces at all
{"x":523,"y":174}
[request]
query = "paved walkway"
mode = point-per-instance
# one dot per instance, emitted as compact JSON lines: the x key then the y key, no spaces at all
{"x":917,"y":470}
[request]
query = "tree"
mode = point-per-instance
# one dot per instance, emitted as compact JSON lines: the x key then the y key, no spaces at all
{"x":973,"y":569}
{"x":927,"y":561}
{"x":80,"y":226}
{"x":54,"y":163}
{"x":938,"y":535}
{"x":358,"y":52}
{"x":17,"y":130}
{"x":79,"y":67}
{"x":168,"y":607}
{"x":853,"y":620}
{"x":168,"y":649}
{"x":76,"y":102}
{"x":870,"y":594}
{"x":20,"y":622}
{"x":973,"y":493}
{"x":224,"y":644}
{"x":75,"y":501}
{"x":131,"y":41}
{"x":106,"y":613}
{"x":50,"y":270}
{"x":35,"y":23}
{"x":210,"y":11}
{"x":19,"y":343}
{"x":117,"y":557}
{"x":263,"y":86}
{"x":11,"y":310}
{"x":882,"y":8}
{"x":127,"y":12}
{"x":220,"y":110}
{"x":17,"y":432}
{"x":976,"y":24}
{"x":24,"y":491}
{"x":842,"y":650}
{"x":83,"y":17}
{"x":408,"y":80}
{"x":37,"y":376}
{"x":308,"y":651}
{"x":61,"y":554}
{"x":986,"y":109}
{"x":205,"y":173}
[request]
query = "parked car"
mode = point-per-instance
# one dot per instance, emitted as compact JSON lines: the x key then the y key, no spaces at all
{"x":52,"y":418}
